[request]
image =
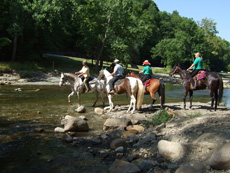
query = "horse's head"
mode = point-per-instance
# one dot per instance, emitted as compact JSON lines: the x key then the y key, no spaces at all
{"x":63,"y":79}
{"x":129,"y":74}
{"x":174,"y":70}
{"x":101,"y":74}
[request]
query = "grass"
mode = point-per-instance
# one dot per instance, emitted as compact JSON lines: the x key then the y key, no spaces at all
{"x":63,"y":64}
{"x":160,"y":117}
{"x":194,"y":115}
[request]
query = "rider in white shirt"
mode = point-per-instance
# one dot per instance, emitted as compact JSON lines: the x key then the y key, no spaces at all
{"x":117,"y":74}
{"x":85,"y":72}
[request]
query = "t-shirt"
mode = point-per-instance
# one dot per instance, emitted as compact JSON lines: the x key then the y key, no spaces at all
{"x":85,"y":70}
{"x":119,"y":70}
{"x":198,"y":64}
{"x":147,"y":70}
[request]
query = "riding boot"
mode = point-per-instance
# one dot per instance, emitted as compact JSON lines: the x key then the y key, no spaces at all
{"x":194,"y":85}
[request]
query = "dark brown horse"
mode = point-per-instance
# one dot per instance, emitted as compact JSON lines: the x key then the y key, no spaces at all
{"x":211,"y":80}
{"x":156,"y":85}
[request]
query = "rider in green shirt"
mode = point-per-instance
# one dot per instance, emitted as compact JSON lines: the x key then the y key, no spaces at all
{"x":196,"y":66}
{"x":147,"y":71}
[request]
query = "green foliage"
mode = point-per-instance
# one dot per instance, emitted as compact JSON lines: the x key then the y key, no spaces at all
{"x":194,"y":115}
{"x":160,"y":117}
{"x":130,"y":30}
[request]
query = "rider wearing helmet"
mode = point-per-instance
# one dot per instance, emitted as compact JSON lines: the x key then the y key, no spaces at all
{"x":85,"y":72}
{"x":117,"y":74}
{"x":147,"y":71}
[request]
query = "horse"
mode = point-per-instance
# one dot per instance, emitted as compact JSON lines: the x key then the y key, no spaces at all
{"x":77,"y":86}
{"x":155,"y":85}
{"x":129,"y":85}
{"x":211,"y":80}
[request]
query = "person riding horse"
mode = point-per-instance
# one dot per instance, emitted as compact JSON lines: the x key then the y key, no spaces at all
{"x":85,"y":73}
{"x":147,"y":71}
{"x":196,"y":67}
{"x":117,"y":74}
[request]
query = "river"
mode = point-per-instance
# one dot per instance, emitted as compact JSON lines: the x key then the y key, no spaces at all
{"x":28,"y":118}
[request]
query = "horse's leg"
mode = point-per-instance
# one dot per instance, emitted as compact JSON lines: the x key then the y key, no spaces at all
{"x":153,"y":97}
{"x":184,"y":98}
{"x":212,"y":98}
{"x":191,"y":96}
{"x":71,"y":94}
{"x":96,"y":98}
{"x":132,"y":102}
{"x":79,"y":98}
{"x":216,"y":98}
{"x":103,"y":97}
{"x":110,"y":103}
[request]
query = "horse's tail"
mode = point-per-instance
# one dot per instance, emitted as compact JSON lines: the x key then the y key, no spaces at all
{"x":140,"y":93}
{"x":162,"y":92}
{"x":221,"y":88}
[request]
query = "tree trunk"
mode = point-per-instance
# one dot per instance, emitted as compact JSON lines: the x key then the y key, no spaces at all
{"x":14,"y":48}
{"x":103,"y":45}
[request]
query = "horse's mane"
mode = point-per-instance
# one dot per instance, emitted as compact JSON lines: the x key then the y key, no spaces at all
{"x":71,"y":75}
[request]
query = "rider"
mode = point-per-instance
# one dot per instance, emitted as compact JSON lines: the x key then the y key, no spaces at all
{"x":147,"y":71}
{"x":196,"y":67}
{"x":85,"y":72}
{"x":117,"y":74}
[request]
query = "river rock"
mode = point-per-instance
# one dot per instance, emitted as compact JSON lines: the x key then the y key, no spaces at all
{"x":170,"y":150}
{"x":136,"y":127}
{"x":129,"y":132}
{"x":80,"y":109}
{"x":120,"y":166}
{"x":113,"y":123}
{"x":99,"y":111}
{"x":187,"y":169}
{"x":118,"y":143}
{"x":209,"y":140}
{"x":73,"y":124}
{"x":220,"y":159}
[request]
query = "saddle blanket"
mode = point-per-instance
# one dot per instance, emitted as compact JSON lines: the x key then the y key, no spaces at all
{"x":201,"y":74}
{"x":147,"y":83}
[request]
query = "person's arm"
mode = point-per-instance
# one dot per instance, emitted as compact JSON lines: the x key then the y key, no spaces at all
{"x":191,"y":67}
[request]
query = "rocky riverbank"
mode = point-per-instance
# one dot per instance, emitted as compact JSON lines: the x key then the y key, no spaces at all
{"x":196,"y":140}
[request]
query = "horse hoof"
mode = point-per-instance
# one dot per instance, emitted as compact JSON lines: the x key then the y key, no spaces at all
{"x":70,"y":103}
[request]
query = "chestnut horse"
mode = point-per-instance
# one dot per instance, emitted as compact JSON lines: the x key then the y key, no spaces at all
{"x":129,"y":85}
{"x":156,"y":85}
{"x":211,"y":80}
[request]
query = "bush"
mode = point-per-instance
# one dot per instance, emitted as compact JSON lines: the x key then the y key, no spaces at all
{"x":160,"y":117}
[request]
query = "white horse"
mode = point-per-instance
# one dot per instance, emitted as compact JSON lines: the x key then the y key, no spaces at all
{"x":77,"y":86}
{"x":130,"y":85}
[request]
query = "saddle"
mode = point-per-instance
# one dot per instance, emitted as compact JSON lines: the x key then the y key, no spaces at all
{"x":90,"y":78}
{"x":200,"y":75}
{"x":147,"y":83}
{"x":119,"y":81}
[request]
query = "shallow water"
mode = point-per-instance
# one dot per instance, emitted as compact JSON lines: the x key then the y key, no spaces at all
{"x":22,"y":149}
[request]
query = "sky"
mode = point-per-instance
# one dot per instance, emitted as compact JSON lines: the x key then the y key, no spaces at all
{"x":217,"y":10}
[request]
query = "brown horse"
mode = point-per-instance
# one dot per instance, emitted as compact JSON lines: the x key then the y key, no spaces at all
{"x":211,"y":80}
{"x":156,"y":85}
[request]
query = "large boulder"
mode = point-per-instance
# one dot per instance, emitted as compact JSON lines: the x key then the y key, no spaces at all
{"x":73,"y":124}
{"x":113,"y":123}
{"x":220,"y":159}
{"x":170,"y":150}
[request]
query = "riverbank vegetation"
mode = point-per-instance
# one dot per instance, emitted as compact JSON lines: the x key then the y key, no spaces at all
{"x":102,"y":30}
